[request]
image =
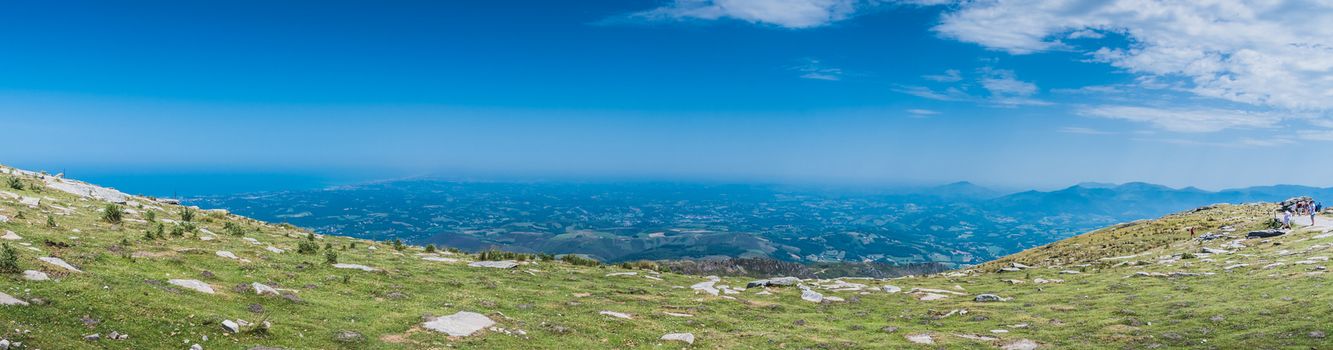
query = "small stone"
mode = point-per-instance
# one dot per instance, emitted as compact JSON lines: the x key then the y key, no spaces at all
{"x":33,"y":275}
{"x":505,"y":264}
{"x":1021,"y":344}
{"x":355,"y":267}
{"x":688,"y":338}
{"x":348,"y":337}
{"x":986,"y":298}
{"x":6,"y":299}
{"x":196,"y":347}
{"x":231,"y":326}
{"x":261,"y":289}
{"x":460,"y":324}
{"x":93,"y":337}
{"x":889,"y":329}
{"x":616,"y":314}
{"x":920,"y":338}
{"x":892,"y":289}
{"x":1317,"y":334}
{"x":195,"y":285}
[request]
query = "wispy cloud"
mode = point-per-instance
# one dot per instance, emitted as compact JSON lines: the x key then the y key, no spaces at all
{"x":1084,"y":131}
{"x":1261,"y":53}
{"x":1183,"y":120}
{"x":949,"y":76}
{"x":793,"y":14}
{"x":814,"y":69}
{"x":921,"y":113}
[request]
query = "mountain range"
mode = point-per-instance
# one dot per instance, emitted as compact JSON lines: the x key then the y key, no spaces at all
{"x":955,"y":224}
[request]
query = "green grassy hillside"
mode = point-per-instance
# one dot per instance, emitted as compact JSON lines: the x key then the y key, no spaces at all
{"x":1259,"y":293}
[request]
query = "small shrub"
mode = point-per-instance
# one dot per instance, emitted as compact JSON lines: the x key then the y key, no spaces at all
{"x":112,"y":213}
{"x":579,"y":261}
{"x":430,"y":248}
{"x":187,"y":214}
{"x":233,"y":229}
{"x":51,"y":221}
{"x":15,"y":183}
{"x":398,"y":244}
{"x":150,"y":215}
{"x":177,"y":231}
{"x":9,"y":260}
{"x":494,"y":255}
{"x":308,"y":246}
{"x":353,"y":245}
{"x":330,"y":257}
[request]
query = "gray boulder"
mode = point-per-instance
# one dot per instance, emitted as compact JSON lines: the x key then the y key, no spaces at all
{"x":1265,"y":233}
{"x":987,"y":298}
{"x":505,"y":264}
{"x":688,"y":338}
{"x":780,"y":281}
{"x":461,"y":324}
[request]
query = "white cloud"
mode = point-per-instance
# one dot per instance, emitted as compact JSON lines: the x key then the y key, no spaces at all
{"x":1276,"y":54}
{"x":1198,"y":120}
{"x":922,"y":113}
{"x":795,"y":14}
{"x":1083,"y":131}
{"x":1315,"y":135}
{"x":813,"y":69}
{"x":949,"y":76}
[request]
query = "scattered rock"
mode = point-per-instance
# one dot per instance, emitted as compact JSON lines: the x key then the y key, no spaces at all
{"x":227,"y":254}
{"x":262,"y":289}
{"x":811,"y":296}
{"x":93,"y":337}
{"x":615,"y":314}
{"x":781,"y":281}
{"x":1069,"y":272}
{"x":274,"y":249}
{"x":614,"y":274}
{"x":196,"y":347}
{"x":196,"y":285}
{"x":60,"y":263}
{"x":231,"y":326}
{"x":888,"y":329}
{"x":440,"y":259}
{"x":920,"y":338}
{"x":355,"y":267}
{"x":505,"y":264}
{"x":1265,"y":233}
{"x":1021,"y":344}
{"x":688,"y":338}
{"x":986,"y":298}
{"x":348,"y":337}
{"x":892,"y":289}
{"x":10,"y":235}
{"x":461,"y":324}
{"x":33,"y":275}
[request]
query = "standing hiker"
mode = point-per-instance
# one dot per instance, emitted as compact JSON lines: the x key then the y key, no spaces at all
{"x":1286,"y":219}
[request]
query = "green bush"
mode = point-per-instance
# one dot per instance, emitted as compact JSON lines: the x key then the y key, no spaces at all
{"x":112,"y":213}
{"x":330,"y":256}
{"x":15,"y":183}
{"x":308,"y":246}
{"x":398,"y":244}
{"x":50,"y":221}
{"x":233,"y":229}
{"x":430,"y":248}
{"x":494,"y":255}
{"x":579,"y":261}
{"x":9,"y":260}
{"x":640,"y":265}
{"x":177,"y":231}
{"x":150,"y":215}
{"x":187,"y":214}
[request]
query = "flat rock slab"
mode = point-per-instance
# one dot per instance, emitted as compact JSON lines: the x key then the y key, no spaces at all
{"x":505,"y":264}
{"x":195,"y":285}
{"x":275,"y":250}
{"x":920,"y":338}
{"x":227,"y":254}
{"x":892,"y":289}
{"x":60,"y":263}
{"x":688,"y":338}
{"x":33,"y":275}
{"x":6,"y":299}
{"x":811,"y":296}
{"x":461,"y":324}
{"x":439,"y":259}
{"x":10,"y":235}
{"x":355,"y":267}
{"x":262,"y":289}
{"x":616,"y":314}
{"x":1021,"y":344}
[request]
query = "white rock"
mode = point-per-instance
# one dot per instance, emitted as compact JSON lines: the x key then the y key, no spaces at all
{"x":504,"y":264}
{"x":613,"y":274}
{"x":33,"y":275}
{"x":811,"y":296}
{"x":262,"y":289}
{"x":616,"y":314}
{"x":440,"y":259}
{"x":231,"y":326}
{"x":85,"y":190}
{"x":461,"y":324}
{"x":6,"y":299}
{"x":677,"y":314}
{"x":195,"y":285}
{"x":227,"y":254}
{"x":1021,"y":344}
{"x":920,"y":338}
{"x":706,"y":287}
{"x":355,"y":267}
{"x":688,"y":338}
{"x":1235,"y":266}
{"x":892,"y":289}
{"x":930,"y":296}
{"x":10,"y":235}
{"x":31,"y":202}
{"x":274,"y":249}
{"x":196,"y":347}
{"x":58,"y":262}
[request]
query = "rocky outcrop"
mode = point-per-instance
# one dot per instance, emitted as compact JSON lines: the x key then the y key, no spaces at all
{"x":461,"y":324}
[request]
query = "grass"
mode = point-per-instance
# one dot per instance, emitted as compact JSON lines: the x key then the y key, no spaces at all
{"x":556,"y":303}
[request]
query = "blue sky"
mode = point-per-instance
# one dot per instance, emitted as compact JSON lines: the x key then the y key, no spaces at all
{"x":1005,"y":93}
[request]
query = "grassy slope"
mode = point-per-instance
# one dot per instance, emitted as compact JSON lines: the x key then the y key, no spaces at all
{"x":1098,"y":309}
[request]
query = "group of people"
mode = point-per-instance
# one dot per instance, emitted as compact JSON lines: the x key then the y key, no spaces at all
{"x":1303,"y":207}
